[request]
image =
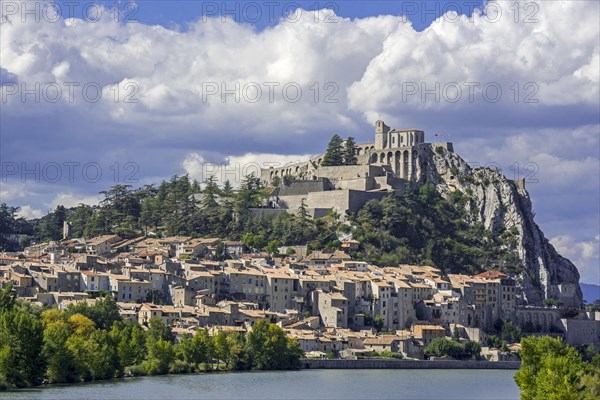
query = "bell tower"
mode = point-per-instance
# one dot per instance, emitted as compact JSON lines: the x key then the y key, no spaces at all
{"x":381,"y":135}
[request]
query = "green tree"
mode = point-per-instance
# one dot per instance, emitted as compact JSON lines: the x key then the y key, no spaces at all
{"x":161,"y":354}
{"x":443,"y":347}
{"x":227,"y":190}
{"x":222,"y":346}
{"x":268,"y":347}
{"x":510,"y":333}
{"x":7,"y":298}
{"x":334,"y":155}
{"x":204,"y":345}
{"x":350,"y":151}
{"x":549,"y":370}
{"x":187,"y":351}
{"x":79,"y":219}
{"x":378,"y":323}
{"x":471,"y":348}
{"x":62,"y":366}
{"x":21,"y":342}
{"x":103,"y":313}
{"x":130,"y":341}
{"x":158,"y":330}
{"x":272,"y":247}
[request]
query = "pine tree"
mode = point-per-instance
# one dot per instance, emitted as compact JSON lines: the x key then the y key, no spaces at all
{"x":334,"y":154}
{"x":350,"y":152}
{"x":227,"y":189}
{"x":210,"y":193}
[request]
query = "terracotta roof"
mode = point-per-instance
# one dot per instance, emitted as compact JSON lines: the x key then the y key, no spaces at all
{"x":491,"y":275}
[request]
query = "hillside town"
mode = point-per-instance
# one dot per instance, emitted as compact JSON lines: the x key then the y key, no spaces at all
{"x":331,"y":304}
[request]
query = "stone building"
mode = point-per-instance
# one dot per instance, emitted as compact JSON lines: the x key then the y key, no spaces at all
{"x":396,"y":158}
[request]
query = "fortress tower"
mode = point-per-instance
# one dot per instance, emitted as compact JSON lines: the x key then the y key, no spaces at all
{"x":386,"y":138}
{"x":381,"y":135}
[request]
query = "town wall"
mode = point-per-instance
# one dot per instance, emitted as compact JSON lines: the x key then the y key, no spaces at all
{"x":578,"y":332}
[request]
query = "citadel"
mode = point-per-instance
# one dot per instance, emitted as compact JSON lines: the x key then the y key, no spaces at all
{"x":395,"y":159}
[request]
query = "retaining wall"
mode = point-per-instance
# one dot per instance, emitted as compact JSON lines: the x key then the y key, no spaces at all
{"x":408,"y":364}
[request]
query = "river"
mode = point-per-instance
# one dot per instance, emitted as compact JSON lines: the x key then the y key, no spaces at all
{"x":305,"y":384}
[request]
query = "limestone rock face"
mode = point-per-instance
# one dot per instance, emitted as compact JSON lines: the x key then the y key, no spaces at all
{"x":496,"y":201}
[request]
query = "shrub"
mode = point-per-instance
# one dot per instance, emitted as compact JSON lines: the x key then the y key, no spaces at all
{"x":136,"y":370}
{"x":181,"y":367}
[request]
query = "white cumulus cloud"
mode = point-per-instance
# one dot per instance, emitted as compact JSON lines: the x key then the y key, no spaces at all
{"x":585,"y":254}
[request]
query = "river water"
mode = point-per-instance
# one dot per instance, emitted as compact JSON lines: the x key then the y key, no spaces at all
{"x":305,"y":384}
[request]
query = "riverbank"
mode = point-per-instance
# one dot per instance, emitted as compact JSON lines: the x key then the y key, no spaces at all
{"x":407,"y":364}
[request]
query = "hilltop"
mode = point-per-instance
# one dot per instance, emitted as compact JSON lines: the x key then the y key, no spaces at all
{"x":402,"y":199}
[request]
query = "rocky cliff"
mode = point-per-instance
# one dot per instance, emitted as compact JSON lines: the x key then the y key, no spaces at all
{"x":496,"y":201}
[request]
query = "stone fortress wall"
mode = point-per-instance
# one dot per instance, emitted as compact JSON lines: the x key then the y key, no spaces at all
{"x":396,"y":158}
{"x":394,"y":151}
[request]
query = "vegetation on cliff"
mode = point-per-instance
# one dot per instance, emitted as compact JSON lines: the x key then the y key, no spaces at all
{"x":419,"y":227}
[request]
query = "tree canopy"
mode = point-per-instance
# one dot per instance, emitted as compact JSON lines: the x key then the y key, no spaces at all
{"x":83,"y":342}
{"x":420,"y":227}
{"x":334,"y":155}
{"x":551,"y":369}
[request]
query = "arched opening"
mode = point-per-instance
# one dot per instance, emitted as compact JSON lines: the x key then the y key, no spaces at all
{"x":414,"y":164}
{"x":373,"y":158}
{"x":405,"y":160}
{"x":397,"y":163}
{"x":544,"y":326}
{"x":389,"y":158}
{"x":382,"y":158}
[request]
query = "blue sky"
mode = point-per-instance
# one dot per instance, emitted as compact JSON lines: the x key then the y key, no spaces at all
{"x":516,"y":85}
{"x":178,"y":13}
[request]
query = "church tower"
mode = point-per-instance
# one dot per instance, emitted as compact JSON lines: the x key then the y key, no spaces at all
{"x":381,"y":135}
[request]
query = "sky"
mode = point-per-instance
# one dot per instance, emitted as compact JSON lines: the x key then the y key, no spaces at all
{"x":134,"y":93}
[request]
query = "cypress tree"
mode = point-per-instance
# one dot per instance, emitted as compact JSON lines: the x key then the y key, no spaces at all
{"x":334,"y":154}
{"x":350,"y":152}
